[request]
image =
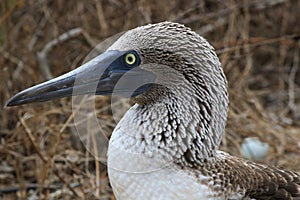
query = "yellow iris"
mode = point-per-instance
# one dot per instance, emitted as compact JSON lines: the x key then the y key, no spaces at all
{"x":130,"y":59}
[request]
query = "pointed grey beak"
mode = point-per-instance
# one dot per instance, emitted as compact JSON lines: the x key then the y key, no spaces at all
{"x":98,"y":76}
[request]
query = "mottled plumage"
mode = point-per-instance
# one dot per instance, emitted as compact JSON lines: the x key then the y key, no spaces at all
{"x":166,"y":145}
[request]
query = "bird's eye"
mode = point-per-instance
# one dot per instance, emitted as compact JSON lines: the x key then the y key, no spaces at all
{"x":130,"y":59}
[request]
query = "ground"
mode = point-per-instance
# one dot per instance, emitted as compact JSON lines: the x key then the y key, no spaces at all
{"x":41,"y":155}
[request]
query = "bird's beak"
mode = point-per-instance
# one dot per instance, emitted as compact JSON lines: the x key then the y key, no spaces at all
{"x":98,"y":76}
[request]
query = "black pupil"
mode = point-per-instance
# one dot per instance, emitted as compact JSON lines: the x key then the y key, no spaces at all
{"x":130,"y":59}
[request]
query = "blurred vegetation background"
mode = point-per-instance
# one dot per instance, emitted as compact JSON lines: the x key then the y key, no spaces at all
{"x":257,"y":41}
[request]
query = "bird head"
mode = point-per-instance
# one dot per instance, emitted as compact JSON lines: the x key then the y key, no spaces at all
{"x":156,"y":63}
{"x":149,"y":63}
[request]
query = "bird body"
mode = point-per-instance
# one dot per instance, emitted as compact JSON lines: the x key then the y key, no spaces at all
{"x":166,"y":145}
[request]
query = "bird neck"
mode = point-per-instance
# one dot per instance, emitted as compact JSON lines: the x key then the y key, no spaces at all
{"x":179,"y":129}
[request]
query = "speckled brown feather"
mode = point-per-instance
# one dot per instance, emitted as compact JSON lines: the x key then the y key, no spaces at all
{"x":257,"y":181}
{"x":183,"y":123}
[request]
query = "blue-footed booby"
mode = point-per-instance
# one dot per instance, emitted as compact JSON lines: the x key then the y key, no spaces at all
{"x":166,"y":145}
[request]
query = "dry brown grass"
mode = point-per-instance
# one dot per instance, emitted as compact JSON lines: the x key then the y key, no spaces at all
{"x":257,"y":42}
